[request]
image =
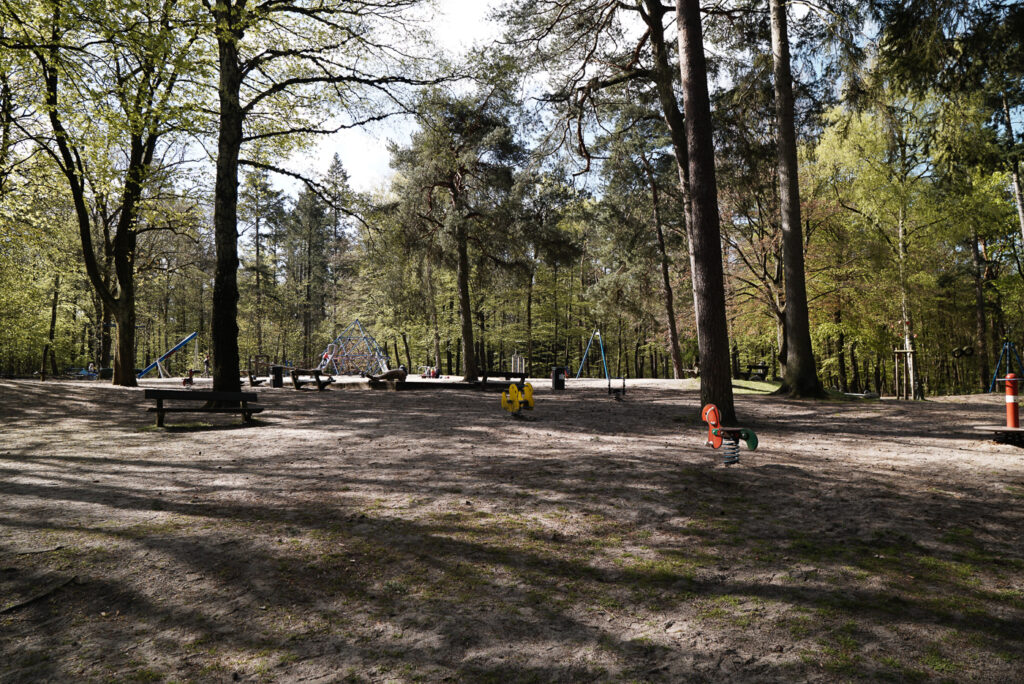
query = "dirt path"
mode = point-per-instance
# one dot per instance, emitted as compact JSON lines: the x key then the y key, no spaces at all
{"x":358,"y":535}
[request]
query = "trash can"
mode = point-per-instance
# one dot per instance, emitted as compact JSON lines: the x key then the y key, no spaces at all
{"x":558,"y":377}
{"x":276,"y":376}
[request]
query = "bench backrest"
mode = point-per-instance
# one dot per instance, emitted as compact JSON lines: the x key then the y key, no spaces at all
{"x":200,"y":395}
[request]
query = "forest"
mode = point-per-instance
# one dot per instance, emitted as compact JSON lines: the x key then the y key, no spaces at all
{"x":711,"y":185}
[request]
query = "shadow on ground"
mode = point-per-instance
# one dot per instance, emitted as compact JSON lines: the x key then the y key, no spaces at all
{"x":375,"y":536}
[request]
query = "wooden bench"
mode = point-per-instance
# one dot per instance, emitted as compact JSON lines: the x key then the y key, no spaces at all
{"x":757,"y":369}
{"x":242,"y":398}
{"x":507,"y":374}
{"x":254,"y":381}
{"x":321,"y":385}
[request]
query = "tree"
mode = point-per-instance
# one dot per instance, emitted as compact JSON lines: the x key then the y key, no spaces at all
{"x":458,"y":174}
{"x":705,"y":236}
{"x":636,"y":169}
{"x":263,"y":209}
{"x":801,"y":375}
{"x":306,"y":240}
{"x":283,"y":66}
{"x":107,"y":80}
{"x":881,"y":172}
{"x":589,"y":50}
{"x":960,"y":47}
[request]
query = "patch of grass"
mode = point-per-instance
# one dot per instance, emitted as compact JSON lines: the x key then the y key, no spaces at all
{"x":155,"y":529}
{"x":954,"y":603}
{"x":935,"y":660}
{"x":655,"y":572}
{"x":1015,"y":491}
{"x":841,"y":662}
{"x":938,"y":570}
{"x":754,"y":387}
{"x":959,"y":535}
{"x":841,"y":650}
{"x":720,"y":608}
{"x":898,"y":672}
{"x":799,"y":626}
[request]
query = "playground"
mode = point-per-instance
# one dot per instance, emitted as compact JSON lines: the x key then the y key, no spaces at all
{"x":363,"y":535}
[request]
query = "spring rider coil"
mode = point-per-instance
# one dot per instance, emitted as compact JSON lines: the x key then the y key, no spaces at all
{"x":730,"y":435}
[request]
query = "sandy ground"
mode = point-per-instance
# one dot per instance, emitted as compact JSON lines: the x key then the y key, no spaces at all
{"x":378,"y":536}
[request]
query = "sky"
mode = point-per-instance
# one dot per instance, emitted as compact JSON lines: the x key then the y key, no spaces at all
{"x":363,"y":151}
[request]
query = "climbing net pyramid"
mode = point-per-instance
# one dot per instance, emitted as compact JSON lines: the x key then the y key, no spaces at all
{"x":354,"y":352}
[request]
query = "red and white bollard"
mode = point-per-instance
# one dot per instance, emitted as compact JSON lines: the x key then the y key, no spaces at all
{"x":1012,"y":412}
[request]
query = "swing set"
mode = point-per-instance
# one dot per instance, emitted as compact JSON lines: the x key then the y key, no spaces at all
{"x":616,"y":392}
{"x":1009,"y":352}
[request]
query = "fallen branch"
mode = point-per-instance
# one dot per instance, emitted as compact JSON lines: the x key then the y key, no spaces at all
{"x":43,"y":594}
{"x":32,"y":551}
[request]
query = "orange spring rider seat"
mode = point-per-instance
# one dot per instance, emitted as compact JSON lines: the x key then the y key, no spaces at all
{"x":730,"y":435}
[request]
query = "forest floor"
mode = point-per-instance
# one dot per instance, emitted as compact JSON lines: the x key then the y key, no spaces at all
{"x":378,"y":536}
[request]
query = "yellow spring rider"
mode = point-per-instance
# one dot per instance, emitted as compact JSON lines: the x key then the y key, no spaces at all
{"x":515,"y":399}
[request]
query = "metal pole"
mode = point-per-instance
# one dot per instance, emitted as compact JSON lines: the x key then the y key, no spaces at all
{"x":1002,"y":353}
{"x":584,"y":359}
{"x":603,"y":360}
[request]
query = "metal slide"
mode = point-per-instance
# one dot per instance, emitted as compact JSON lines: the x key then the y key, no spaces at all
{"x":163,"y":358}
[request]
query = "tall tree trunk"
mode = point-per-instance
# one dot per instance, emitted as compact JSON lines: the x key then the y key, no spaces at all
{"x":259,"y":287}
{"x":653,"y":12}
{"x":529,"y":323}
{"x":841,"y":352}
{"x":106,"y":341}
{"x":908,"y":322}
{"x":713,"y":338}
{"x":554,"y":341}
{"x":618,"y":347}
{"x":432,"y":299}
{"x":469,"y":367}
{"x":408,"y":356}
{"x":124,"y":356}
{"x":48,"y":347}
{"x":224,"y":326}
{"x":1018,"y":194}
{"x":122,"y":248}
{"x":980,"y":326}
{"x":637,"y":369}
{"x":670,"y":309}
{"x":307,"y":304}
{"x":800,"y":374}
{"x":483,"y":361}
{"x":857,"y":385}
{"x":6,"y":125}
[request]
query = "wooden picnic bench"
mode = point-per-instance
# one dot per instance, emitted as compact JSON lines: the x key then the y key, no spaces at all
{"x":321,"y":385}
{"x":757,"y":369}
{"x":241,"y":398}
{"x":498,"y":373}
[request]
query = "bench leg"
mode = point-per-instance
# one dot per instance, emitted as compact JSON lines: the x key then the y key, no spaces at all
{"x":159,"y":412}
